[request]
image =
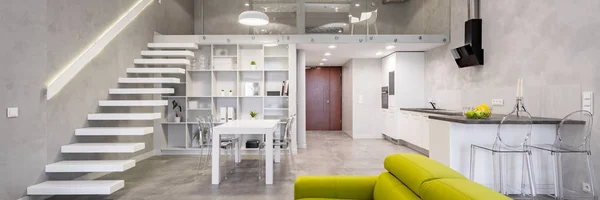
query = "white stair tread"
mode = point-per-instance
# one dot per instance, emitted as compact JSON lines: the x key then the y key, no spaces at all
{"x":141,"y":91}
{"x":91,"y":166}
{"x":95,"y":131}
{"x":93,"y":187}
{"x":155,"y":70}
{"x":133,"y":103}
{"x":124,"y":116}
{"x":161,"y":61}
{"x":149,"y":80}
{"x":172,"y":45}
{"x":102,"y":147}
{"x":171,"y":54}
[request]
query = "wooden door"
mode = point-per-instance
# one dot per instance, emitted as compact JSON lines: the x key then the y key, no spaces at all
{"x":335,"y":98}
{"x":323,"y":99}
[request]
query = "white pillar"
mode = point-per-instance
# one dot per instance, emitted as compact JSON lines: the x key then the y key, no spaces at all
{"x":301,"y":69}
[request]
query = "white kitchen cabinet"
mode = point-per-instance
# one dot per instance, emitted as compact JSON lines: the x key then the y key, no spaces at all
{"x":425,"y":132}
{"x":389,"y":127}
{"x":413,"y":128}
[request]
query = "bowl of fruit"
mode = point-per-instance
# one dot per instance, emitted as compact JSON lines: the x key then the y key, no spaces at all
{"x":482,"y":111}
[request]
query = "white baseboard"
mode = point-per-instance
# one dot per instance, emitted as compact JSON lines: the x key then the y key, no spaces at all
{"x":367,"y":136}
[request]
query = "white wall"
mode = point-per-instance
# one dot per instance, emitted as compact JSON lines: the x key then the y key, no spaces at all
{"x":366,"y":98}
{"x":347,"y":98}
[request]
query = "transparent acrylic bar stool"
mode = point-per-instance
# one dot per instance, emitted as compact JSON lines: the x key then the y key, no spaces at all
{"x":572,"y":137}
{"x":205,"y":123}
{"x":512,"y":139}
{"x":284,"y":142}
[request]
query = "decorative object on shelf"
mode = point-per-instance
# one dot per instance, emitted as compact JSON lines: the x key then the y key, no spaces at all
{"x":222,"y":92}
{"x":251,"y":89}
{"x":193,"y":105}
{"x":230,"y":92}
{"x":202,"y":62}
{"x":284,"y":88}
{"x":253,"y":65}
{"x":221,"y":52}
{"x":222,"y":114}
{"x":482,"y":111}
{"x":253,"y":18}
{"x":175,"y":107}
{"x":273,"y":93}
{"x":230,"y":113}
{"x":253,"y":115}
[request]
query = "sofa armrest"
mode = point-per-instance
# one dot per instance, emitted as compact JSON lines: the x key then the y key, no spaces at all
{"x":335,"y":187}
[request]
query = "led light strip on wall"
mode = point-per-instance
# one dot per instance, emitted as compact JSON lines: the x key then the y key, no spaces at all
{"x":63,"y":77}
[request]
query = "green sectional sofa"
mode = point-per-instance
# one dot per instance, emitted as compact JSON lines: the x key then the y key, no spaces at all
{"x":408,"y":177}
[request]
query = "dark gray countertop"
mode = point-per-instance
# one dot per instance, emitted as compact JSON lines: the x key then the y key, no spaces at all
{"x":494,"y":119}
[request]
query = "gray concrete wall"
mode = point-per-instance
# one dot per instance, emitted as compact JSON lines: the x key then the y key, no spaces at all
{"x":42,"y":38}
{"x":552,"y":44}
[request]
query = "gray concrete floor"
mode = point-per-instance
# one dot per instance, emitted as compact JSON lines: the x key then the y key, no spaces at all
{"x":174,"y":177}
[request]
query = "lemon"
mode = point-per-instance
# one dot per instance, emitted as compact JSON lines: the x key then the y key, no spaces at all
{"x":484,"y":108}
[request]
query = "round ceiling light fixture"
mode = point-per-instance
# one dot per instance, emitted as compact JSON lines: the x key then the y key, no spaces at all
{"x":253,"y":18}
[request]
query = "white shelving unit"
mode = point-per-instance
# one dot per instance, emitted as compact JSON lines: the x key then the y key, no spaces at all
{"x":226,"y":67}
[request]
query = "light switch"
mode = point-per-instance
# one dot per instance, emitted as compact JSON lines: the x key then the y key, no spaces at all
{"x":12,"y":112}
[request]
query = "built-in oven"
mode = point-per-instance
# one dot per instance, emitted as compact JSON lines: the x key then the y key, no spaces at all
{"x":384,"y":97}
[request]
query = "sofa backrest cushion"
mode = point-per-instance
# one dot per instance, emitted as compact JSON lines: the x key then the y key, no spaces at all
{"x":414,"y":170}
{"x":335,"y":187}
{"x":388,"y":187}
{"x":458,"y":189}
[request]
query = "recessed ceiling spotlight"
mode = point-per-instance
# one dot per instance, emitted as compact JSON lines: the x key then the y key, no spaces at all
{"x":327,"y":54}
{"x":337,"y":9}
{"x":324,"y":59}
{"x":321,"y":63}
{"x":332,"y":46}
{"x":349,"y":15}
{"x":246,"y":4}
{"x":357,"y":5}
{"x":378,"y":53}
{"x":390,"y":47}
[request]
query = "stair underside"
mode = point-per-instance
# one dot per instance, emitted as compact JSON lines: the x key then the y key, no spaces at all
{"x":124,"y":116}
{"x":162,"y":61}
{"x":102,"y":147}
{"x":172,"y":70}
{"x":133,"y":103}
{"x":169,"y":54}
{"x":107,"y":131}
{"x":141,"y":91}
{"x":91,"y":166}
{"x":93,"y":187}
{"x":149,"y":80}
{"x":172,"y":45}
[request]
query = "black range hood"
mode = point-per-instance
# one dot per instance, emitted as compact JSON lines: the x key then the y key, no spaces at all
{"x":471,"y":54}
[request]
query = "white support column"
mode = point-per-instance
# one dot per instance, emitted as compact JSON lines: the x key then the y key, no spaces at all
{"x":301,"y":100}
{"x":301,"y":16}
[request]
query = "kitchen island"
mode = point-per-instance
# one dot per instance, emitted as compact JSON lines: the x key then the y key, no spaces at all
{"x":451,"y":135}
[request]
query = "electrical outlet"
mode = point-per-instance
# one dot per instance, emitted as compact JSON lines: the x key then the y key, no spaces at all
{"x":497,"y":102}
{"x":586,"y":187}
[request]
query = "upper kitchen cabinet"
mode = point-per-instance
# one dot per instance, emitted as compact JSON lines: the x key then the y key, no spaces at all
{"x":404,"y":75}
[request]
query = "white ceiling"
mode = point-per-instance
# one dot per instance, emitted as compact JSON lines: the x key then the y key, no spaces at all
{"x":344,"y":52}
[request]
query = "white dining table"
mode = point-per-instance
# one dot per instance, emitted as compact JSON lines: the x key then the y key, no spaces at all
{"x":268,"y":128}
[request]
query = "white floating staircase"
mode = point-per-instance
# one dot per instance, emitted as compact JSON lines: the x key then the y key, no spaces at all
{"x":112,"y":131}
{"x":133,"y":103}
{"x":163,"y":56}
{"x":141,"y":91}
{"x":160,"y":61}
{"x":168,"y":54}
